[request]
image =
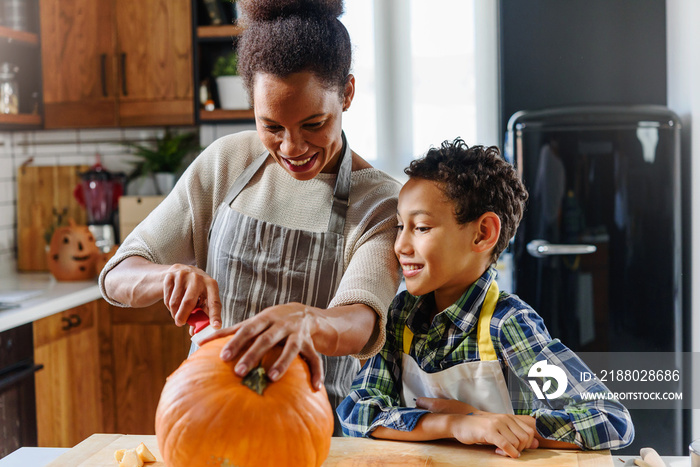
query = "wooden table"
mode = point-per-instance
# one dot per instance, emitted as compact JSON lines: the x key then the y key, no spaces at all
{"x":98,"y":451}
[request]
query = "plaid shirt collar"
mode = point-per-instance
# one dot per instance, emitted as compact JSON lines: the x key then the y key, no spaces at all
{"x":464,"y":313}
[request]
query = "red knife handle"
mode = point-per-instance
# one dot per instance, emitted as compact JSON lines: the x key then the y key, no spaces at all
{"x":199,"y":319}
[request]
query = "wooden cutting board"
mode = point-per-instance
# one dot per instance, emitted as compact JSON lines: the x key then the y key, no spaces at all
{"x":41,"y":191}
{"x":98,"y":451}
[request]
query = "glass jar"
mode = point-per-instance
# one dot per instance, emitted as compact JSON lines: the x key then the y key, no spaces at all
{"x":9,"y":89}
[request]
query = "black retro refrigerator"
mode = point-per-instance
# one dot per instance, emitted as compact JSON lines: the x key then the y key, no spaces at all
{"x":599,"y":251}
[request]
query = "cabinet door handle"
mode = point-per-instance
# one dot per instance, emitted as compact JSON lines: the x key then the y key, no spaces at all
{"x":103,"y":70}
{"x":75,"y":320}
{"x":66,"y":324}
{"x":124,"y":88}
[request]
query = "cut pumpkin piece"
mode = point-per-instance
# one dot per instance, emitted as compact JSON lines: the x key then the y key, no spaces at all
{"x":144,"y":454}
{"x":131,"y":459}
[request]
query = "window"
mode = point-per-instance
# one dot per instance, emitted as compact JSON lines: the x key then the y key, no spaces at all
{"x":418,"y":67}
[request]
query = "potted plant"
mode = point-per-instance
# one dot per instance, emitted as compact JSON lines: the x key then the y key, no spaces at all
{"x":232,"y":93}
{"x":164,"y":160}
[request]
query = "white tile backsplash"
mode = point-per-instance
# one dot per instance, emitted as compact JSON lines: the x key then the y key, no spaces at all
{"x":210,"y":133}
{"x":77,"y":159}
{"x":7,"y":215}
{"x":143,"y":134}
{"x":6,"y":168}
{"x":7,"y":190}
{"x":56,"y":149}
{"x":5,"y":145}
{"x":57,"y":137}
{"x":99,"y":136}
{"x":8,"y":264}
{"x":7,"y":240}
{"x":40,"y":159}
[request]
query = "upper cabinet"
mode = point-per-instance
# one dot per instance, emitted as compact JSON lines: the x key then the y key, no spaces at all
{"x":117,"y":63}
{"x":20,"y":78}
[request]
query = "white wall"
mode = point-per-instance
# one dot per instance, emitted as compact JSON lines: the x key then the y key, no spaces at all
{"x":683,"y":42}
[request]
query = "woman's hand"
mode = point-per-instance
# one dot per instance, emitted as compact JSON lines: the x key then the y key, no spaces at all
{"x":137,"y":282}
{"x":508,"y":433}
{"x":187,"y":287}
{"x":292,"y":324}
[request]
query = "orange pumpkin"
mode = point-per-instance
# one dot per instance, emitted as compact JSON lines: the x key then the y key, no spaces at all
{"x":208,"y":416}
{"x":73,"y":254}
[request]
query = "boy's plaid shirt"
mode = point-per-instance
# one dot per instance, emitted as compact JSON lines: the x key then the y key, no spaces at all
{"x":520,"y":339}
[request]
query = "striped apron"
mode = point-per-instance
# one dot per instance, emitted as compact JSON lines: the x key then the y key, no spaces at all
{"x":258,"y":264}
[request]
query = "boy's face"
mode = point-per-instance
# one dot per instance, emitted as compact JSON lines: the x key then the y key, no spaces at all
{"x":434,"y":250}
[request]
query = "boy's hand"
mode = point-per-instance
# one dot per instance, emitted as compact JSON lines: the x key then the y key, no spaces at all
{"x":509,"y":434}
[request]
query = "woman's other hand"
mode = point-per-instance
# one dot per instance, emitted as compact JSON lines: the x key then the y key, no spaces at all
{"x":187,"y":287}
{"x":291,"y":325}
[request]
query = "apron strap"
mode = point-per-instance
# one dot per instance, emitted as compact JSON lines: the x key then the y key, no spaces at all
{"x":245,"y":177}
{"x":483,"y":334}
{"x":483,"y":331}
{"x":407,"y":340}
{"x":341,"y":193}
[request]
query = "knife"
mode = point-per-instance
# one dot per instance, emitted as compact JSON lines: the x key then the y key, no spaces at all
{"x":202,"y":328}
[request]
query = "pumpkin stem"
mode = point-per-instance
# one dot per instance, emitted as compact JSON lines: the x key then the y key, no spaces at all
{"x":256,"y":379}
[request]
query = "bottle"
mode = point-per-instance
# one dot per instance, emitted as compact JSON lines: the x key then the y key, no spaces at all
{"x":9,"y":89}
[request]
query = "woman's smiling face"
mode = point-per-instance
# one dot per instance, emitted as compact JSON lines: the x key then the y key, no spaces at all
{"x":300,"y":122}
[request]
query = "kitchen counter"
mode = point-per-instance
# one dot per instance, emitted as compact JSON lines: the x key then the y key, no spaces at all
{"x":98,"y":450}
{"x":33,"y":296}
{"x":41,"y":457}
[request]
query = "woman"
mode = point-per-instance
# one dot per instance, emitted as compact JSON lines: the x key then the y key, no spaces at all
{"x":282,"y":235}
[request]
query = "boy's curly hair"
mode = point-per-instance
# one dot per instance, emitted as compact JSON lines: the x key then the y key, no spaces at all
{"x":477,"y":180}
{"x":290,"y":36}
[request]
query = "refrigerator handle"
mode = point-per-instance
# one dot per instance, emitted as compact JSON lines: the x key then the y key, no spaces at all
{"x":542,"y":249}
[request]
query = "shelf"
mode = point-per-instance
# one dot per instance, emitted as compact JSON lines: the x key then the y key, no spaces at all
{"x":20,"y":36}
{"x":20,"y":120}
{"x":221,"y":114}
{"x":210,"y":32}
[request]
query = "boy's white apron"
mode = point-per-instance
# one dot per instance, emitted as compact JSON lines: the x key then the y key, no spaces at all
{"x":258,"y":264}
{"x":480,"y":384}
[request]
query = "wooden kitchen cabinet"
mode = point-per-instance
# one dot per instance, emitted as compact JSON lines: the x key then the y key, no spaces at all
{"x":117,"y":63}
{"x":68,"y":389}
{"x":104,"y":370}
{"x":146,"y":348}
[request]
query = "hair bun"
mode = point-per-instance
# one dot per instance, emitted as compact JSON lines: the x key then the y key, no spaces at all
{"x":268,"y":10}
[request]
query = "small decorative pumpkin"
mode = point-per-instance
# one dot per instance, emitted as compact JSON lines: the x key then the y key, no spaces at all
{"x":73,"y":253}
{"x":209,"y":416}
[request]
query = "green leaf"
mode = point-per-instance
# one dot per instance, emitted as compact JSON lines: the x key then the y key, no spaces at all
{"x":166,"y":154}
{"x":226,"y":65}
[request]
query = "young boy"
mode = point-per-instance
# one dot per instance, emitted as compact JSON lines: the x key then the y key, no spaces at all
{"x":451,"y":335}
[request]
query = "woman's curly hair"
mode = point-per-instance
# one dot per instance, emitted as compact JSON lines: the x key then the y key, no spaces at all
{"x":282,"y":37}
{"x":477,"y":180}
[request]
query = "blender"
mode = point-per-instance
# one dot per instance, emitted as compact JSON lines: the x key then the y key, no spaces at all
{"x":99,"y":192}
